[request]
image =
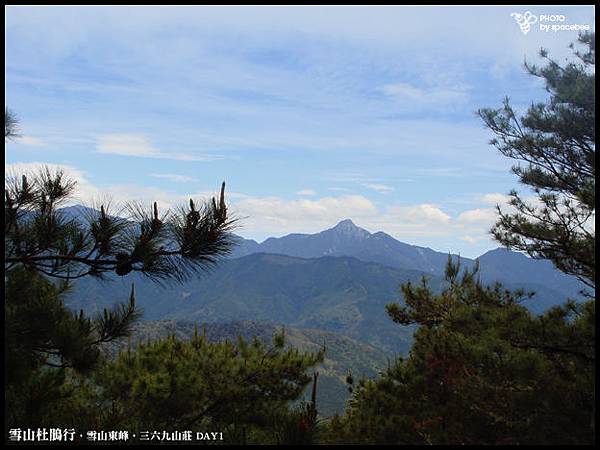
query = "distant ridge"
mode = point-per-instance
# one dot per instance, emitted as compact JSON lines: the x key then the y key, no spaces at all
{"x":347,"y":239}
{"x":339,"y":279}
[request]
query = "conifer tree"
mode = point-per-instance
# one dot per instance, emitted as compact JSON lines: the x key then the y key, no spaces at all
{"x":235,"y":387}
{"x":11,"y":124}
{"x":483,"y":369}
{"x":554,"y":143}
{"x":173,"y":245}
{"x":40,"y":239}
{"x":60,"y":372}
{"x":49,"y":348}
{"x":473,"y":377}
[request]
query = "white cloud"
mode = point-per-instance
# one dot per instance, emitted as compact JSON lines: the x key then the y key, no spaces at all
{"x":478,"y":216}
{"x":469,"y":239}
{"x":306,"y":192}
{"x":378,"y":187}
{"x":266,"y":216}
{"x":137,"y":145}
{"x":29,"y":140}
{"x":174,"y":177}
{"x":274,"y":215}
{"x":495,"y":198}
{"x":415,"y":96}
{"x":422,"y":214}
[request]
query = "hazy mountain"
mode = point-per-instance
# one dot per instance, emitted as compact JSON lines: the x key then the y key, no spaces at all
{"x":502,"y":264}
{"x":245,"y":247}
{"x":79,"y":212}
{"x":346,"y":239}
{"x":344,"y":291}
{"x":339,"y":294}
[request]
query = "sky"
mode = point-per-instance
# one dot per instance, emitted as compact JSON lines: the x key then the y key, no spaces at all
{"x":311,"y":114}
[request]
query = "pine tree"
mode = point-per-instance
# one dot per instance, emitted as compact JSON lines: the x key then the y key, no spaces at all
{"x":49,"y":348}
{"x":61,"y":370}
{"x":173,"y":245}
{"x":476,"y":374}
{"x":483,"y":369}
{"x":555,"y":141}
{"x":41,"y":240}
{"x":238,"y":387}
{"x":11,"y":124}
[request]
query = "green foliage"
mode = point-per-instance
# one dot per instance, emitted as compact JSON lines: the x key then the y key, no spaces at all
{"x":57,"y":375}
{"x":238,"y":388}
{"x":482,"y":370}
{"x":40,"y":330}
{"x":171,"y":246}
{"x":423,"y":307}
{"x":342,"y":353}
{"x":299,"y":425}
{"x":49,"y":350}
{"x":556,"y":142}
{"x":47,"y":344}
{"x":11,"y":124}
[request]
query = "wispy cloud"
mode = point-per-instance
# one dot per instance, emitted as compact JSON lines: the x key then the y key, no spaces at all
{"x":138,"y":146}
{"x":339,"y":99}
{"x":174,"y":177}
{"x":383,"y":188}
{"x":276,"y":216}
{"x":428,"y":97}
{"x":495,"y":198}
{"x":306,"y":192}
{"x":29,"y":140}
{"x":453,"y":172}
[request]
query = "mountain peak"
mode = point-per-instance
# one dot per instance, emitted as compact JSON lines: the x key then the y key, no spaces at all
{"x":347,"y":223}
{"x":349,"y":228}
{"x":501,"y":252}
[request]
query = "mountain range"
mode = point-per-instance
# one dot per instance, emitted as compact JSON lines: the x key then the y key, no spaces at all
{"x":335,"y":283}
{"x":339,"y":279}
{"x":513,"y":269}
{"x":346,"y":239}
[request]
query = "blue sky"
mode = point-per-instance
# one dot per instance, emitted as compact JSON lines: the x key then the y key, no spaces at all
{"x":310,"y":114}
